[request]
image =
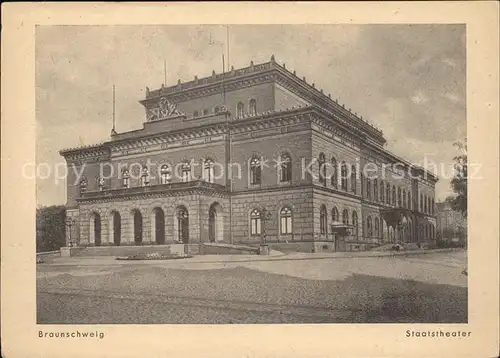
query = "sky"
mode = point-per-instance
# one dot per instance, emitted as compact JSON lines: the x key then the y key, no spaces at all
{"x":408,"y":80}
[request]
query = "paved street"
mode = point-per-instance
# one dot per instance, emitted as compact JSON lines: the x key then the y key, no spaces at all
{"x":294,"y":288}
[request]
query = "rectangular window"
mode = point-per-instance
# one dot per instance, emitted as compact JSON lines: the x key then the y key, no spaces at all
{"x":286,"y":225}
{"x":208,"y":175}
{"x":166,"y":178}
{"x":255,"y":226}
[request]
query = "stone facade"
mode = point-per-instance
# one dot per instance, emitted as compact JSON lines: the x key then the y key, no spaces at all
{"x":119,"y":194}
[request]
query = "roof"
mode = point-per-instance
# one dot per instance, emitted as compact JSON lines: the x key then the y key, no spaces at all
{"x":236,"y":74}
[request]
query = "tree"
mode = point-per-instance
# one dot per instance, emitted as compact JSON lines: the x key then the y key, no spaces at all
{"x":459,"y":181}
{"x":50,"y":228}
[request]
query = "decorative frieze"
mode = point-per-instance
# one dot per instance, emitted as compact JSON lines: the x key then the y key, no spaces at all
{"x":335,"y":134}
{"x":154,"y":192}
{"x":167,"y":144}
{"x":80,"y":156}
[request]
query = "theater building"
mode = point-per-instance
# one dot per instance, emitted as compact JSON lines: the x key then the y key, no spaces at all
{"x":296,"y":160}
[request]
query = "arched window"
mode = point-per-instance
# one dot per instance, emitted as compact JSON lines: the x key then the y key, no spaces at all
{"x":208,"y":170}
{"x":195,"y":114}
{"x":253,"y":107}
{"x":368,"y":189}
{"x":144,"y":176}
{"x":125,"y":178}
{"x":409,"y":200}
{"x":165,"y":174}
{"x":345,"y":217}
{"x":353,"y":178}
{"x":205,"y":112}
{"x":421,"y":206}
{"x":335,"y":215}
{"x":429,"y":210}
{"x":426,"y":231}
{"x":375,"y":189}
{"x":334,"y":176}
{"x":355,"y":223}
{"x":388,"y":193}
{"x":240,"y":110}
{"x":285,"y":168}
{"x":394,"y":195}
{"x":404,"y":198}
{"x":343,"y":176}
{"x":432,"y":206}
{"x":382,"y":190}
{"x":369,"y":226}
{"x":255,"y":171}
{"x":425,"y":204}
{"x":186,"y":172}
{"x":83,"y":185}
{"x":399,"y":197}
{"x":216,"y":109}
{"x":377,"y":228}
{"x":322,"y":220}
{"x":322,"y":168}
{"x":285,"y":221}
{"x":255,"y":224}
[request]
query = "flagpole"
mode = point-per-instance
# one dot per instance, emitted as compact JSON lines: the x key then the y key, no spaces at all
{"x":113,"y":131}
{"x":223,"y":86}
{"x":165,"y":71}
{"x":227,"y":44}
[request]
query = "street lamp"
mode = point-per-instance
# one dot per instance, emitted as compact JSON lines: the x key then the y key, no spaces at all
{"x":69,"y":224}
{"x":266,"y":216}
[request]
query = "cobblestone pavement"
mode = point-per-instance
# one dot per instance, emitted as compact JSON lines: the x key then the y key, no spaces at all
{"x":419,"y":288}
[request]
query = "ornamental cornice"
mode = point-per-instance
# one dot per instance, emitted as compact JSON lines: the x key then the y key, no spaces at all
{"x":155,"y":195}
{"x":310,"y":93}
{"x":271,"y":119}
{"x":213,"y":88}
{"x":256,"y":74}
{"x":325,"y":126}
{"x":86,"y":155}
{"x":165,"y":139}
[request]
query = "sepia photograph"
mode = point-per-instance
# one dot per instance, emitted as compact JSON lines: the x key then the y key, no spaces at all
{"x":251,"y":174}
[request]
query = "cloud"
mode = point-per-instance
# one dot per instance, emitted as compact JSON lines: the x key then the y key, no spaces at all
{"x":419,"y":97}
{"x":450,"y":62}
{"x":452,"y":97}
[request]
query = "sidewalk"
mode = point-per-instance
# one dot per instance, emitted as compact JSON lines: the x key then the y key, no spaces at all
{"x":273,"y":256}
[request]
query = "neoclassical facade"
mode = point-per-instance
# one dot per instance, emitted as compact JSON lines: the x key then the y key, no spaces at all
{"x":244,"y":156}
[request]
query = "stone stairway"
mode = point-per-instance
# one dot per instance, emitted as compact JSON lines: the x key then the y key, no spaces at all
{"x":126,"y":250}
{"x":212,"y":248}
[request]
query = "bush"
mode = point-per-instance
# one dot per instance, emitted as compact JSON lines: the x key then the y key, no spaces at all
{"x":50,"y":228}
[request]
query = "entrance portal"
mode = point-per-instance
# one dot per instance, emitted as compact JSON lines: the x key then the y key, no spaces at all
{"x":117,"y":228}
{"x":215,"y":223}
{"x":95,"y":229}
{"x":159,"y":218}
{"x":137,"y":227}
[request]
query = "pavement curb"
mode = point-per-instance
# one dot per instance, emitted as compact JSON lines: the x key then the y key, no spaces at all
{"x":111,"y":260}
